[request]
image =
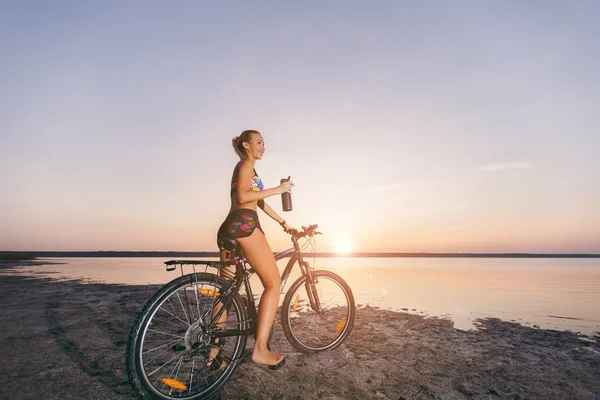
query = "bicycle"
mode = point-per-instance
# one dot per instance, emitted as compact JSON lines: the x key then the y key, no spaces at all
{"x":179,"y":334}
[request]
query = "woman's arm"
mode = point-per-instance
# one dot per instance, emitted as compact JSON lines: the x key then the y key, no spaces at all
{"x":245,"y":195}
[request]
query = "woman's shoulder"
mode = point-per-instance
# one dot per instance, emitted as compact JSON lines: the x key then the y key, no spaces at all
{"x":245,"y":166}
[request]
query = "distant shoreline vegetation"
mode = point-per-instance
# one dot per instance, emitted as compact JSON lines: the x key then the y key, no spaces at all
{"x":15,"y":256}
{"x":31,"y":255}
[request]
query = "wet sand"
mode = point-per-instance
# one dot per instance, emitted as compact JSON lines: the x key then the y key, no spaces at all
{"x":66,"y":340}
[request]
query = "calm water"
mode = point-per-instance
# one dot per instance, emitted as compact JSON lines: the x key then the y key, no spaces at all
{"x":550,"y":293}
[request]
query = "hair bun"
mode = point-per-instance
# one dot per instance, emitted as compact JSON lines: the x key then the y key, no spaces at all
{"x":238,"y":141}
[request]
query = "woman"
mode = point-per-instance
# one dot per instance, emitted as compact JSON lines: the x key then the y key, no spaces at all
{"x":247,"y":192}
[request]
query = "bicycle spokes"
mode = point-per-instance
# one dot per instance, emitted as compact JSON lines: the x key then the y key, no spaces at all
{"x":178,"y":343}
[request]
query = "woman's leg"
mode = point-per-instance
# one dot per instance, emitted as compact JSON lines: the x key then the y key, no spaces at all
{"x":258,"y":253}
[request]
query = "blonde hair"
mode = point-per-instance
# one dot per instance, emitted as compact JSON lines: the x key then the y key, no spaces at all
{"x":239,"y":140}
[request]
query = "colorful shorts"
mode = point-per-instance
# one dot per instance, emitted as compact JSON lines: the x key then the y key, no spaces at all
{"x":238,"y":224}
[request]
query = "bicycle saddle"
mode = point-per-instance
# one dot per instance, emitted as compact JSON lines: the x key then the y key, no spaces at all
{"x":231,"y":245}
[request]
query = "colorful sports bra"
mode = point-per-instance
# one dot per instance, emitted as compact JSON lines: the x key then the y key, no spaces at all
{"x":255,"y":183}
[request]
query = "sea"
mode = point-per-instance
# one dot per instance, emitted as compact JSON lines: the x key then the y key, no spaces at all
{"x":545,"y":293}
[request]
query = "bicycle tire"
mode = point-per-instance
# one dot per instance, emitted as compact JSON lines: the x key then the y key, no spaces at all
{"x":184,"y":305}
{"x":310,"y":332}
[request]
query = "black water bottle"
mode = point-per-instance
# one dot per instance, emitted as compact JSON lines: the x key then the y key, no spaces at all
{"x":286,"y":198}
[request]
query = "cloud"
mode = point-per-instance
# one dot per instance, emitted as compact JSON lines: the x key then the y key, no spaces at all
{"x":505,"y":167}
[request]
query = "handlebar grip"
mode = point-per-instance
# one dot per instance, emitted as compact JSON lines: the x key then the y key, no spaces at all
{"x":306,"y":231}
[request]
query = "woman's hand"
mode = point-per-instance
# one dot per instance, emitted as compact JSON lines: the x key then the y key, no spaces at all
{"x":286,"y":227}
{"x":285,"y":187}
{"x":289,"y":230}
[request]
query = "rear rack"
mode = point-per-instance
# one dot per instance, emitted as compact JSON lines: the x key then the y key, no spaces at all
{"x":215,"y":265}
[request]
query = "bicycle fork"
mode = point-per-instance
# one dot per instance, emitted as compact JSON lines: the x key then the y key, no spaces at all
{"x":311,"y":288}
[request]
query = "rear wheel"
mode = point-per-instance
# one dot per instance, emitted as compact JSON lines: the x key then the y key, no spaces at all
{"x":173,"y":350}
{"x":309,"y":330}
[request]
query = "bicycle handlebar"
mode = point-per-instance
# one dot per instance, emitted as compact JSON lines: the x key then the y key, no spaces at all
{"x":306,"y":231}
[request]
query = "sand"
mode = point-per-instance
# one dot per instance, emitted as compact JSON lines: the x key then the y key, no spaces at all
{"x":66,"y":340}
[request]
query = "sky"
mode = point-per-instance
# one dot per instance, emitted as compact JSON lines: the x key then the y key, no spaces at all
{"x":462,"y":126}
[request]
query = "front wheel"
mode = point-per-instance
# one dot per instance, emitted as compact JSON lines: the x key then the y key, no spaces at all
{"x":310,"y":330}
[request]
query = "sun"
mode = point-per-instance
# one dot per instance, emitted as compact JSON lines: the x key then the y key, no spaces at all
{"x":342,"y":246}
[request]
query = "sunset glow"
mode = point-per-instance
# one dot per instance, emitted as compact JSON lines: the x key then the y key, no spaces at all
{"x":407,"y":128}
{"x":342,"y":246}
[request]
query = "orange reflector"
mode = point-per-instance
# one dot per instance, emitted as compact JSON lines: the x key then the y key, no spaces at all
{"x":174,"y":384}
{"x":296,"y":300}
{"x":209,"y":292}
{"x":340,"y":325}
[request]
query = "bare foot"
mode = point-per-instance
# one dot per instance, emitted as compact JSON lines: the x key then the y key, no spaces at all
{"x":266,"y":357}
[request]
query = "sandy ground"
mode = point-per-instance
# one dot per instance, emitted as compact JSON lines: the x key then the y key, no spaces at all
{"x":66,"y":340}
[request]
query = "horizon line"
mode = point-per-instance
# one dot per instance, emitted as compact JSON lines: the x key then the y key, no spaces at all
{"x":164,"y":253}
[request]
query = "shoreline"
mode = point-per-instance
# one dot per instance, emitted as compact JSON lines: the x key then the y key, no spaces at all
{"x":66,"y":340}
{"x":584,"y":326}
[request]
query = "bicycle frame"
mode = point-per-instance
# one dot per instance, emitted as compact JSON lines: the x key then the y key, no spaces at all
{"x":241,"y":277}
